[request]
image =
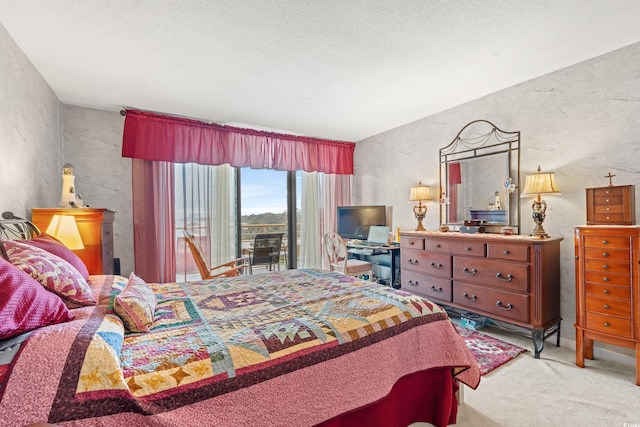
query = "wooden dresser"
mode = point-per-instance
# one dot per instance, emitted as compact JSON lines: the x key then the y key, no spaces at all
{"x":512,"y":279}
{"x":607,"y":286}
{"x":96,"y":230}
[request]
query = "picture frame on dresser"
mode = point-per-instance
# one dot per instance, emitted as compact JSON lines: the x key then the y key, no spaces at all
{"x":96,"y":230}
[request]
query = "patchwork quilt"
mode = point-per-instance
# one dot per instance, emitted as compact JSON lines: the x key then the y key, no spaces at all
{"x":211,"y":341}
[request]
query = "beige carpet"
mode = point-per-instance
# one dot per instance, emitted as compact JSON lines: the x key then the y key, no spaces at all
{"x":551,"y":391}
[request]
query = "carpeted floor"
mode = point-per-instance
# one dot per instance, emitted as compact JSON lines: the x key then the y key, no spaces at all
{"x":488,"y":351}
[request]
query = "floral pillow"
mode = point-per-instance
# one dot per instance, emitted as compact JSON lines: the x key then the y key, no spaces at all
{"x":25,"y":305}
{"x":56,"y":247}
{"x":54,"y":273}
{"x":136,"y":305}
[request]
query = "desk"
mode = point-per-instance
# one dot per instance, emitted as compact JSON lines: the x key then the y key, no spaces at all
{"x":370,"y":253}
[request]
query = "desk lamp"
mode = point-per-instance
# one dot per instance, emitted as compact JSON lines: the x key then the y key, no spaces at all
{"x":420,"y":193}
{"x":65,"y":229}
{"x":534,"y":185}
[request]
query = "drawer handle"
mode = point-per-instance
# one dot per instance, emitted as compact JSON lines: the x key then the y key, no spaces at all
{"x":412,"y":283}
{"x":467,"y":249}
{"x":605,"y":242}
{"x":437,"y":266}
{"x":504,"y":307}
{"x":412,"y":261}
{"x":505,"y":252}
{"x":607,"y":200}
{"x":437,"y":245}
{"x":608,"y":209}
{"x":606,"y":306}
{"x":606,"y":291}
{"x":608,"y":217}
{"x":504,"y":279}
{"x":606,"y":279}
{"x":469,"y":272}
{"x":434,"y":289}
{"x":411,"y":243}
{"x":605,"y":254}
{"x":468,"y":298}
{"x":605,"y":267}
{"x":606,"y":324}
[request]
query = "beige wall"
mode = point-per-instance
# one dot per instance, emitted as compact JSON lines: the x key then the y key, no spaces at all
{"x":581,"y":122}
{"x":30,"y":134}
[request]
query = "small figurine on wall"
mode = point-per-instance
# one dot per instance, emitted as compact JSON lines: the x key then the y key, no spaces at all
{"x":497,"y":205}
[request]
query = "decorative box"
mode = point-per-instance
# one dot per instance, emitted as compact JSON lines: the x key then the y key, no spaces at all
{"x":472,"y":321}
{"x":612,"y":205}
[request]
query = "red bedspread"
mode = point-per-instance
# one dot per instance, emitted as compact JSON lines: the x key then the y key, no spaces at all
{"x":291,"y":348}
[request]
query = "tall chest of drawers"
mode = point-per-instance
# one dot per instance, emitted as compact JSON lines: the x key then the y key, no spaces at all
{"x":512,"y":279}
{"x":607,"y":286}
{"x":96,"y":230}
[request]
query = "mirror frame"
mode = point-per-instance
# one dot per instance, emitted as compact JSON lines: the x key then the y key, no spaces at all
{"x":474,"y":141}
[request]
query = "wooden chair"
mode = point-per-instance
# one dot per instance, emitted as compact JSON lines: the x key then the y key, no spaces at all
{"x":228,"y":269}
{"x":338,"y":257}
{"x":266,"y":250}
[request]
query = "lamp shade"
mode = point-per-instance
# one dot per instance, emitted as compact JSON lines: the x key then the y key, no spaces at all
{"x":420,"y":193}
{"x":540,"y":183}
{"x":65,"y":229}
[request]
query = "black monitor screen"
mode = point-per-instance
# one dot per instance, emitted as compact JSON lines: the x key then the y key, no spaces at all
{"x":354,"y":221}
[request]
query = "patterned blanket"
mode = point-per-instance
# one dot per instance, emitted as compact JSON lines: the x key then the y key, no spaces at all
{"x":214,"y":338}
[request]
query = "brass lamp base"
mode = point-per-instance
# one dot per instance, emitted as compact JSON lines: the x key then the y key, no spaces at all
{"x":539,"y":208}
{"x":420,"y":211}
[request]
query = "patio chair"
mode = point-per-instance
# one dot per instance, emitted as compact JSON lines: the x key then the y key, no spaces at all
{"x":338,"y":257}
{"x":228,"y":269}
{"x":266,"y":250}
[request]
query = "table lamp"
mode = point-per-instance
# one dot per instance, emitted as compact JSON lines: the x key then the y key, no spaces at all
{"x":420,"y":193}
{"x":65,"y":229}
{"x":534,"y":186}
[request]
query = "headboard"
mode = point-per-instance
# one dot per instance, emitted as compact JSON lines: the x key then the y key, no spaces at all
{"x":16,"y":228}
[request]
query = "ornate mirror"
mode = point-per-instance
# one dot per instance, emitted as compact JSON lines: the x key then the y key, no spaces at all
{"x":480,"y":178}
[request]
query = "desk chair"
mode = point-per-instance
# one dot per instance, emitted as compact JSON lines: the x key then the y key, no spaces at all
{"x":228,"y":269}
{"x":265,"y":251}
{"x":338,"y":257}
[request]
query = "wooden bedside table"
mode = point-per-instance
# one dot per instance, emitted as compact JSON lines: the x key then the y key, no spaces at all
{"x":96,"y":230}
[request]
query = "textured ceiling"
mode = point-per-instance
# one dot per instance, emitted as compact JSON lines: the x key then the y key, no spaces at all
{"x":340,"y":69}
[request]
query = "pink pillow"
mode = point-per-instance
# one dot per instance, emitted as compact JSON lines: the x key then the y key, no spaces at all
{"x":25,"y":305}
{"x":136,"y":305}
{"x":56,"y":247}
{"x":54,"y":273}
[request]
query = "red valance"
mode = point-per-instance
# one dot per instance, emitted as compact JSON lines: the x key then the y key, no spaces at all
{"x":151,"y":136}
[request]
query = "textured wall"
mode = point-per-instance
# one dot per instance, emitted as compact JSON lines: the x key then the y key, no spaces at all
{"x":30,"y":134}
{"x":93,"y":145}
{"x":581,"y":122}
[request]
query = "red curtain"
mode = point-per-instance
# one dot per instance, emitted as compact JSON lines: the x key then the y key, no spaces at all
{"x":151,"y":136}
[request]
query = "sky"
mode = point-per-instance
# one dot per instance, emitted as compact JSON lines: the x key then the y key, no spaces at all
{"x":265,"y":190}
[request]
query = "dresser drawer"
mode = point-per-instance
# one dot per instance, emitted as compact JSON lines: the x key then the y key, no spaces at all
{"x":107,"y":232}
{"x":609,"y":209}
{"x":505,"y":275}
{"x":608,"y":291}
{"x":606,"y":242}
{"x":609,"y":306}
{"x":605,"y":266}
{"x":426,"y":262}
{"x":607,"y":192}
{"x":609,"y":218}
{"x":409,"y":242}
{"x":508,"y":252}
{"x":430,"y":286}
{"x":454,"y":247}
{"x":494,"y":301}
{"x":609,"y":325}
{"x":608,"y":279}
{"x":607,"y":254}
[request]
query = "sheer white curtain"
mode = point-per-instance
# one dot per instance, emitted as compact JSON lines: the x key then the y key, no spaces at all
{"x":321,"y":195}
{"x":205,"y":206}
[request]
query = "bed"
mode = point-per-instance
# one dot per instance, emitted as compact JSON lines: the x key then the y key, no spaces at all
{"x":292,"y":348}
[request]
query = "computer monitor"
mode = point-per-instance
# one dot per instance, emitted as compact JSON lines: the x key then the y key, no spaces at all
{"x":353,"y":222}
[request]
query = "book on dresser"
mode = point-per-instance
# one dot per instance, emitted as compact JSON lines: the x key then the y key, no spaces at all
{"x":96,"y":230}
{"x":511,"y":279}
